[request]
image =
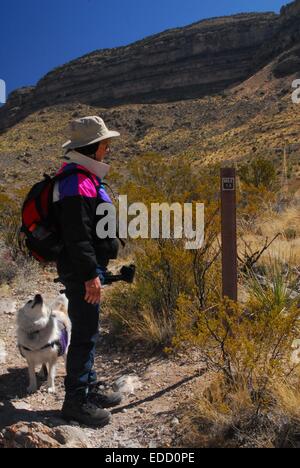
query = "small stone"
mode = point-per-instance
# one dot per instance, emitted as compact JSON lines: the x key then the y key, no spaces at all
{"x":152,"y":444}
{"x":8,"y":307}
{"x":127,"y":384}
{"x":21,"y":405}
{"x":129,"y":444}
{"x":175,"y":422}
{"x":72,"y":437}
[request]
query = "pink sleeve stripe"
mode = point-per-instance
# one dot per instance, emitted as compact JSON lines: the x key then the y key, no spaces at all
{"x":86,"y":188}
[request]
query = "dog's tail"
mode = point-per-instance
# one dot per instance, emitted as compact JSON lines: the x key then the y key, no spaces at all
{"x":61,"y":304}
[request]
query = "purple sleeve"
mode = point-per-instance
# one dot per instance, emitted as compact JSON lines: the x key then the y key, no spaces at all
{"x":104,"y":195}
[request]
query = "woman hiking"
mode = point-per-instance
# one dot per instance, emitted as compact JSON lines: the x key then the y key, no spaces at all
{"x":82,"y":263}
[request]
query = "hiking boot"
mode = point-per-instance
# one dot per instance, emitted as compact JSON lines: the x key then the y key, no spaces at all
{"x":103,"y":399}
{"x":85,"y":412}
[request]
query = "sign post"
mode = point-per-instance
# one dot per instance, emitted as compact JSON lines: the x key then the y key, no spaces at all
{"x":229,"y":233}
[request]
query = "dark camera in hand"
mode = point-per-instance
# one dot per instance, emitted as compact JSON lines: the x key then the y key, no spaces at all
{"x":127,"y":274}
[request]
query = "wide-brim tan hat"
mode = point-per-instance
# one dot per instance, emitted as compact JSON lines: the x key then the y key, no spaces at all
{"x":87,"y":131}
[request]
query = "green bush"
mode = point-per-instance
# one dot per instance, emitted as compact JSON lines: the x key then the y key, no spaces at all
{"x":8,"y":267}
{"x":260,"y":172}
{"x":249,"y":350}
{"x":10,"y":222}
{"x":146,"y":311}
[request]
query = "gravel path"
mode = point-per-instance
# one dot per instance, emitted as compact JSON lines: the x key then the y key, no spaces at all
{"x":153,"y":423}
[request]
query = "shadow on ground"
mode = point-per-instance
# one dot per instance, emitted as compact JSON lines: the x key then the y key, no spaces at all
{"x":13,"y":387}
{"x":9,"y":416}
{"x":115,"y":358}
{"x":13,"y":384}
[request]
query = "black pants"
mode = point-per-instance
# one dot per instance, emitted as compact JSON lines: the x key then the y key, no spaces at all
{"x":85,"y":332}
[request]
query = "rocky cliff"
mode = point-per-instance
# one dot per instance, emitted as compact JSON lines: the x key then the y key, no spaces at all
{"x":204,"y":58}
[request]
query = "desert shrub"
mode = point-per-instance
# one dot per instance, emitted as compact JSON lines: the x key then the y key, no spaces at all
{"x":253,"y":202}
{"x":8,"y":267}
{"x":13,"y":262}
{"x":248,"y":346}
{"x":9,"y":227}
{"x":165,"y":269}
{"x":5,"y":200}
{"x":278,"y":286}
{"x":10,"y":219}
{"x":227,"y":418}
{"x":146,"y":311}
{"x":248,"y":350}
{"x":260,"y":172}
{"x":10,"y":233}
{"x":290,"y":233}
{"x":131,"y":320}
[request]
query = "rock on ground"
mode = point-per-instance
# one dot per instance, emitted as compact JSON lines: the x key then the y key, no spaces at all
{"x":37,"y":435}
{"x":8,"y":307}
{"x":127,"y":384}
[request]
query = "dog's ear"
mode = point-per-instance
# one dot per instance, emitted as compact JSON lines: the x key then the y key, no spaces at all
{"x":25,"y":307}
{"x":61,"y":304}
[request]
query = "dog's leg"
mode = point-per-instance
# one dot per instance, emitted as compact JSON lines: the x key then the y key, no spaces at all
{"x":43,"y":374}
{"x":32,"y":378}
{"x":51,"y":377}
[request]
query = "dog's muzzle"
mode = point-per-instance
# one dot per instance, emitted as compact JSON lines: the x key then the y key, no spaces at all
{"x":38,"y":300}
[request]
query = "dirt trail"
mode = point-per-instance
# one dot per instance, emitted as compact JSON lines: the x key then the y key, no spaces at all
{"x":152,"y":424}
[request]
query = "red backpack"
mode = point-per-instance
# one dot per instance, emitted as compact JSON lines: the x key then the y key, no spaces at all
{"x":39,"y":231}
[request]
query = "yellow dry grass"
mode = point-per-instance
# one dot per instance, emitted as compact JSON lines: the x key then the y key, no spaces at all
{"x":222,"y":418}
{"x":287,"y":245}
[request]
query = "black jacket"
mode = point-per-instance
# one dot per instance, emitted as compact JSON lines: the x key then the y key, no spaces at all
{"x":76,"y":199}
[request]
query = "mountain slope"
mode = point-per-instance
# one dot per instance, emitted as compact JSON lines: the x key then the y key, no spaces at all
{"x":255,"y":117}
{"x":191,"y":62}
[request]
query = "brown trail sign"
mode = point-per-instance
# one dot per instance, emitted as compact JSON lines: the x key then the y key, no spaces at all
{"x":229,"y":233}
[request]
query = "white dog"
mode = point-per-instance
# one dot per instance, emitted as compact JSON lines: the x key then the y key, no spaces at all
{"x":43,"y":336}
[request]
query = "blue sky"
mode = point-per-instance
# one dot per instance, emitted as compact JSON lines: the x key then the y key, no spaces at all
{"x":38,"y":35}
